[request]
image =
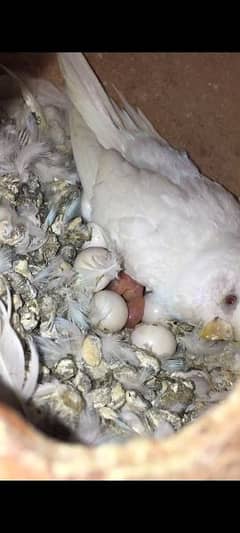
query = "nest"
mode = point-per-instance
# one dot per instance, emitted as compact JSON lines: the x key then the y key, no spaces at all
{"x":192,"y":453}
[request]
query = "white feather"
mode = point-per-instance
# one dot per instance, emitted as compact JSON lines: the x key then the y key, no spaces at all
{"x":37,"y":239}
{"x":90,"y":99}
{"x":77,"y":313}
{"x":47,"y":94}
{"x":193,"y":344}
{"x":56,"y":166}
{"x":5,"y":259}
{"x":52,"y":350}
{"x":8,"y":150}
{"x":132,"y":421}
{"x":115,"y":349}
{"x":45,"y":390}
{"x":133,"y":380}
{"x":47,"y":171}
{"x":65,"y":328}
{"x":33,"y":236}
{"x":54,"y":275}
{"x":32,"y":373}
{"x":28,"y":156}
{"x":135,"y":120}
{"x":65,"y":339}
{"x":89,"y":426}
{"x":27,"y":95}
{"x":12,"y":360}
{"x":29,"y":217}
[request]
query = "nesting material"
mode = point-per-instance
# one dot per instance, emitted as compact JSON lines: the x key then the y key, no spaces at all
{"x":91,"y":351}
{"x":74,"y":368}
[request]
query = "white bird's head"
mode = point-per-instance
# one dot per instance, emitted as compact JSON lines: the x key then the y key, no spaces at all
{"x":209,"y":291}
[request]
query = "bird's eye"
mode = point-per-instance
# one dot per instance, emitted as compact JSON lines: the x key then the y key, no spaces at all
{"x":230,"y":299}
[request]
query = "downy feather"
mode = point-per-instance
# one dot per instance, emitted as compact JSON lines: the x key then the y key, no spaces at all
{"x":5,"y":259}
{"x":66,"y":339}
{"x":52,"y":350}
{"x":89,"y":428}
{"x":115,"y":349}
{"x":54,"y":275}
{"x":28,"y":156}
{"x":28,"y":97}
{"x":77,"y":313}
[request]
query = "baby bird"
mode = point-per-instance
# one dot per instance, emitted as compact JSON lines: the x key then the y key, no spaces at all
{"x":177,"y":231}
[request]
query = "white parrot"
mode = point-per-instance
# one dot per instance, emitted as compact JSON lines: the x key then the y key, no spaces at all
{"x":178,"y":231}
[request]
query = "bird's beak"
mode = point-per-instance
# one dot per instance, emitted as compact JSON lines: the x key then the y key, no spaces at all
{"x":217,"y":330}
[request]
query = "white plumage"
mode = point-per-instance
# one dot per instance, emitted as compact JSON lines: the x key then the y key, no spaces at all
{"x":12,"y":357}
{"x":178,"y":231}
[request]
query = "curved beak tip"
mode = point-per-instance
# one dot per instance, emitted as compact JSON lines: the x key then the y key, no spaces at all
{"x":217,"y":330}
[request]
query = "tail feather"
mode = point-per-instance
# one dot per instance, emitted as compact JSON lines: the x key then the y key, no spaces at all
{"x":89,"y":98}
{"x":134,"y":119}
{"x":98,"y":123}
{"x":113,"y":126}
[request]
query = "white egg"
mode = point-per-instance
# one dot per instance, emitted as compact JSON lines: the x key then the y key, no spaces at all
{"x":153,"y":313}
{"x":157,"y":339}
{"x":108,"y":311}
{"x":96,"y":267}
